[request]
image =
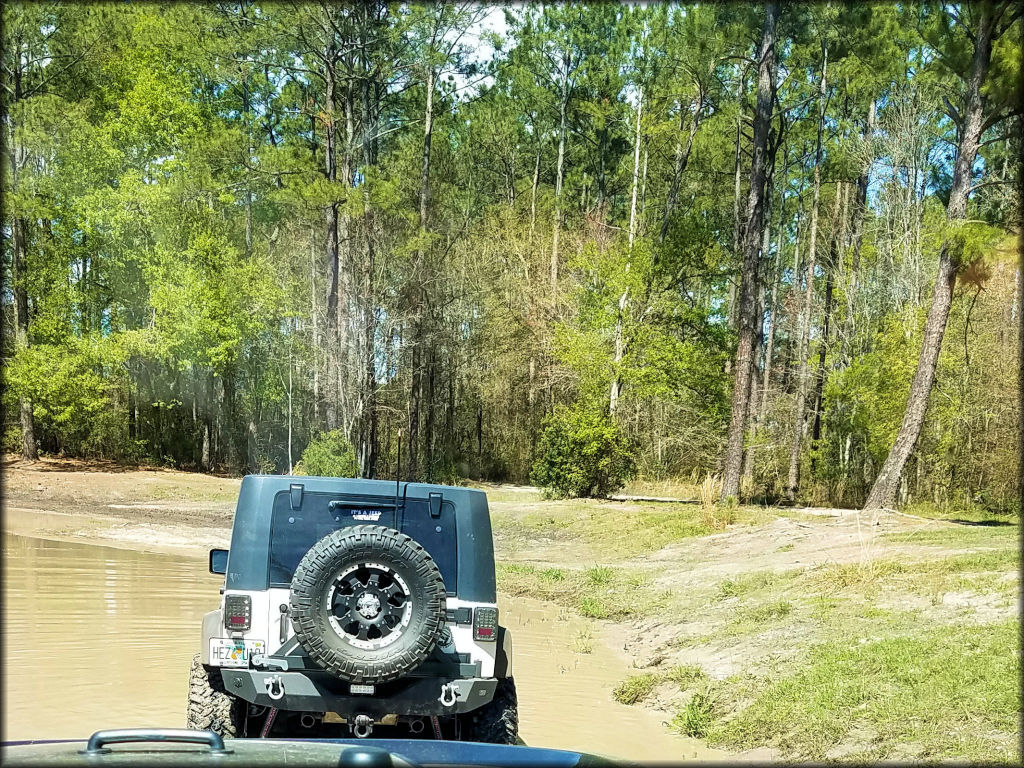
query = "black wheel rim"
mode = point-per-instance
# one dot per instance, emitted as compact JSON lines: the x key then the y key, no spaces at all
{"x":369,"y":605}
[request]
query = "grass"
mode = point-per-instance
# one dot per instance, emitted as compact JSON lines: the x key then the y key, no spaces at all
{"x":600,"y":592}
{"x":669,"y":489}
{"x":685,"y":675}
{"x":958,"y":536}
{"x":222,"y":492}
{"x":971,"y":512}
{"x":864,"y":681}
{"x":938,"y":689}
{"x":747,"y":583}
{"x":776,"y":609}
{"x":636,"y":688}
{"x":978,"y":571}
{"x":499,"y":493}
{"x":696,"y":718}
{"x":620,"y":530}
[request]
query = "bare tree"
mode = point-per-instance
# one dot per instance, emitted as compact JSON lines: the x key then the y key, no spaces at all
{"x":751,"y":250}
{"x":793,"y":484}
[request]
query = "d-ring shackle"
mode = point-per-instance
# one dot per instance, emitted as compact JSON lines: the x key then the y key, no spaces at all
{"x":275,"y":688}
{"x":448,"y":694}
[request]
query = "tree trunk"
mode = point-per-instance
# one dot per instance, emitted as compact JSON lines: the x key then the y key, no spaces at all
{"x":793,"y":484}
{"x":333,"y":331}
{"x":883,"y":493}
{"x":416,"y":390}
{"x":636,"y":171}
{"x":16,"y":157}
{"x":751,"y":247}
{"x":762,"y":340}
{"x":835,"y":260}
{"x":681,"y":161}
{"x":533,"y":194}
{"x":559,"y":171}
{"x":859,"y":211}
{"x":29,"y":449}
{"x":737,"y":225}
{"x":613,"y":400}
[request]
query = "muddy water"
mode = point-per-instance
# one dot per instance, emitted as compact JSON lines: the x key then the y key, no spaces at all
{"x":98,"y":637}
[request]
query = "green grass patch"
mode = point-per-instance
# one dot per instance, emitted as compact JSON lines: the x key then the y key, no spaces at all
{"x":600,"y":592}
{"x":748,"y":583}
{"x":697,"y":717}
{"x":974,"y":513}
{"x":685,"y":675}
{"x":958,"y":536}
{"x":636,"y":688}
{"x":978,"y":571}
{"x":620,"y":529}
{"x":769,"y":611}
{"x":942,"y":690}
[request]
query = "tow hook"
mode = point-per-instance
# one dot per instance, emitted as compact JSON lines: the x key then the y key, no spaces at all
{"x":275,"y":688}
{"x":362,"y":726}
{"x":448,"y":694}
{"x":261,"y":660}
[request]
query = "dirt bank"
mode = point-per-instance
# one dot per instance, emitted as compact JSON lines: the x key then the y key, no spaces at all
{"x":156,"y":510}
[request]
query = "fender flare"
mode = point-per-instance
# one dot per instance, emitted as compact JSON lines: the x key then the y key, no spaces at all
{"x":503,"y":657}
{"x":212,"y":623}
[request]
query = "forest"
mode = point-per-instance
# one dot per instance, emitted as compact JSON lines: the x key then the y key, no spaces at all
{"x":774,"y":244}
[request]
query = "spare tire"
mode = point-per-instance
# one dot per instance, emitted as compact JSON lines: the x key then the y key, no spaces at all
{"x":367,"y":603}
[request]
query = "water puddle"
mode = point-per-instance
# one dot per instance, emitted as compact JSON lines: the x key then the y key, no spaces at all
{"x":97,"y":637}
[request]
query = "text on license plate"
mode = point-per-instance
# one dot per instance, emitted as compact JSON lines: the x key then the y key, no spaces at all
{"x":233,"y":653}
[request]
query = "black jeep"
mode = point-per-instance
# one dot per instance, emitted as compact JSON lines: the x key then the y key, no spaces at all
{"x":351,"y":606}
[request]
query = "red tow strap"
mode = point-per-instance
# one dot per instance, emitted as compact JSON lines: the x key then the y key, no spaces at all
{"x":270,"y":721}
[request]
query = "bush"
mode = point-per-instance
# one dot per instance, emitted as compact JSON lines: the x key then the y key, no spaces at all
{"x":329,"y":455}
{"x":581,"y":454}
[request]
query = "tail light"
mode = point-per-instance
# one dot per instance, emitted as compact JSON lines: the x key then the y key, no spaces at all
{"x":485,"y":623}
{"x":237,"y":612}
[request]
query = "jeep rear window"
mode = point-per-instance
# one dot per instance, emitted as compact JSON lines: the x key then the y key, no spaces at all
{"x":294,"y":532}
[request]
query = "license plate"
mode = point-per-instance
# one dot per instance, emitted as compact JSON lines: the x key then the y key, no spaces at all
{"x":234,"y":653}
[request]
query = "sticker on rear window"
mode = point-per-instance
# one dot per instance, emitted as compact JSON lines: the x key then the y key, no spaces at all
{"x":362,"y":514}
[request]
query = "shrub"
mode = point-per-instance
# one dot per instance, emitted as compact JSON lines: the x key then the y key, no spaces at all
{"x":329,"y":455}
{"x":581,"y":454}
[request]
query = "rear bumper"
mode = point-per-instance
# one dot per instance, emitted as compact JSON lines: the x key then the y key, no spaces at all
{"x":321,"y":693}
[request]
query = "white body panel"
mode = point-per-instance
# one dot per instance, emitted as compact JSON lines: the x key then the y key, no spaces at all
{"x":265,"y":625}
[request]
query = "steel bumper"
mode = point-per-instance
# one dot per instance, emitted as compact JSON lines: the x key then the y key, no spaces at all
{"x":301,"y":692}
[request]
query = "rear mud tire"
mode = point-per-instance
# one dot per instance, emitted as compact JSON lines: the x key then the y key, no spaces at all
{"x":210,"y":707}
{"x":496,"y":722}
{"x":315,"y":581}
